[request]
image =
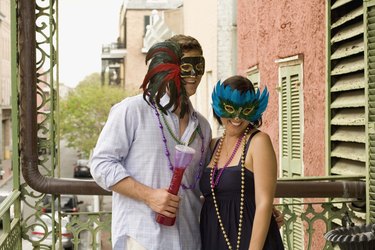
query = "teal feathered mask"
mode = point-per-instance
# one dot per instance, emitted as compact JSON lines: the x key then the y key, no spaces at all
{"x":231,"y":103}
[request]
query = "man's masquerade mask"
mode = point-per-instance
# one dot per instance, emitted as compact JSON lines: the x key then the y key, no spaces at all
{"x":230,"y":103}
{"x":192,"y":66}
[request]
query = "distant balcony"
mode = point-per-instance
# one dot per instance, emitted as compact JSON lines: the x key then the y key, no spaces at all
{"x":113,"y":51}
{"x":156,"y":32}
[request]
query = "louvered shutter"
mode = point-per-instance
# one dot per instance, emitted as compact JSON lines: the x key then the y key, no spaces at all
{"x":347,"y":89}
{"x":254,"y":78}
{"x":291,"y":160}
{"x":291,"y":121}
{"x":351,"y":90}
{"x":370,"y":22}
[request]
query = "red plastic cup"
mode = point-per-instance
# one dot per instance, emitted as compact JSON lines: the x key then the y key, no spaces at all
{"x":183,"y":156}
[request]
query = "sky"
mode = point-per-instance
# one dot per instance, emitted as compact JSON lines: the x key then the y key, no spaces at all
{"x":84,"y":26}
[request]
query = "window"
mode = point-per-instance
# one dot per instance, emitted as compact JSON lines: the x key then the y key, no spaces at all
{"x":146,"y":22}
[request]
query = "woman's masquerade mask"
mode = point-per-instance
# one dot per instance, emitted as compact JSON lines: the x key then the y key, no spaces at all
{"x":230,"y":103}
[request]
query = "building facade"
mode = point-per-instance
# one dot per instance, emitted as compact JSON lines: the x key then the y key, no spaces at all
{"x":316,"y":59}
{"x":136,"y":19}
{"x":5,"y":87}
{"x":281,"y":46}
{"x":142,"y":23}
{"x":215,"y":27}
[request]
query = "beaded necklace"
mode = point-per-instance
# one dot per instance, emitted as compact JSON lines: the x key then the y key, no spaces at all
{"x":215,"y":181}
{"x":171,"y":132}
{"x":242,"y":194}
{"x":167,"y":153}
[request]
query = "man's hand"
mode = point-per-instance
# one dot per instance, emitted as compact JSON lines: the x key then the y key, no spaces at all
{"x":279,"y":217}
{"x":159,"y":200}
{"x":162,"y":202}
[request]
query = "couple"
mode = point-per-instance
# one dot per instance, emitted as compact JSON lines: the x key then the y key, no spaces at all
{"x":236,"y":174}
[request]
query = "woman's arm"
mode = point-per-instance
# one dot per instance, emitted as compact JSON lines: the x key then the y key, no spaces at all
{"x":265,"y":174}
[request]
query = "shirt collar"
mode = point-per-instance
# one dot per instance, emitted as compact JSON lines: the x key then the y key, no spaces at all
{"x":192,"y":113}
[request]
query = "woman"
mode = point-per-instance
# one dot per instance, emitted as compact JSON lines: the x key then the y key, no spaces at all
{"x":240,"y":180}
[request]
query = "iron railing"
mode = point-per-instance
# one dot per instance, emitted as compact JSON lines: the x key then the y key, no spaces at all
{"x":305,"y":224}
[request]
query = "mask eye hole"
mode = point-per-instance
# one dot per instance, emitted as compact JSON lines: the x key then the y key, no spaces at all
{"x":186,"y":67}
{"x":229,"y":108}
{"x":199,"y":67}
{"x":247,"y":111}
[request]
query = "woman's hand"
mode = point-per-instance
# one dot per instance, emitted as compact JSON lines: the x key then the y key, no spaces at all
{"x":279,"y":217}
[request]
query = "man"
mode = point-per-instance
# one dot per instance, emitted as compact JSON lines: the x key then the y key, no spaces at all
{"x":135,"y":151}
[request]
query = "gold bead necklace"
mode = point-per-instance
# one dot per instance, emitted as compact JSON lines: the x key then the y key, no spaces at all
{"x":216,"y":159}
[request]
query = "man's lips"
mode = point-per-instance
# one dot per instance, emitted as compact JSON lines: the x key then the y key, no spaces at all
{"x":189,"y":81}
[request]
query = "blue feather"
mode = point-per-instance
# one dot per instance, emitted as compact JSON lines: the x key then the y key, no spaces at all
{"x":258,"y":99}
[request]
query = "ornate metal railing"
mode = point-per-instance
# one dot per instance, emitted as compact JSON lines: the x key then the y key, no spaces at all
{"x":11,"y":225}
{"x":95,"y":227}
{"x":304,"y":228}
{"x":316,"y":219}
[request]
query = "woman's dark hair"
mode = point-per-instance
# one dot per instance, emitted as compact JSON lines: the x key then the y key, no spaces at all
{"x":242,"y":84}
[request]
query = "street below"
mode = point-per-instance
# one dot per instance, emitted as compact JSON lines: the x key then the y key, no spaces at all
{"x":68,"y":158}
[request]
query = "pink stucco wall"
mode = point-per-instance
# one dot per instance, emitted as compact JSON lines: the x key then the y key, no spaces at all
{"x":271,"y":29}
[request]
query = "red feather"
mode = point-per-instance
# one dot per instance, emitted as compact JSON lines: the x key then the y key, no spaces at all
{"x":173,"y":74}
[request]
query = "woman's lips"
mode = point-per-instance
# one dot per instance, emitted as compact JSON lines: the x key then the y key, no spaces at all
{"x":234,"y":123}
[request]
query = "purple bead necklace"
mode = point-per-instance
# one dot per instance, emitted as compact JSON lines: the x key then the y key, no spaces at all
{"x":168,"y":154}
{"x":215,"y":181}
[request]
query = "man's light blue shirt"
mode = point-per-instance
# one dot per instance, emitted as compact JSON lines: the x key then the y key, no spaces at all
{"x":131,"y":144}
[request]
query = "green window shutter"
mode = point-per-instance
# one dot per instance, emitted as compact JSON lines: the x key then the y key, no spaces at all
{"x":295,"y":230}
{"x":291,"y":162}
{"x":291,"y":150}
{"x":351,"y":88}
{"x":347,"y":101}
{"x":370,"y":22}
{"x":285,"y":166}
{"x":254,"y":78}
{"x":295,"y":114}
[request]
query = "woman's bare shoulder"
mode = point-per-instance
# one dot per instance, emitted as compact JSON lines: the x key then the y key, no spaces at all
{"x":261,"y":139}
{"x":260,"y":135}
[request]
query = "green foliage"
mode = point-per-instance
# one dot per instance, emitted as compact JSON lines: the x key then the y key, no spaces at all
{"x":85,"y":110}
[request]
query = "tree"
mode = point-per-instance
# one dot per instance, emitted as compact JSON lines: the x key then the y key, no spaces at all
{"x":84,"y":111}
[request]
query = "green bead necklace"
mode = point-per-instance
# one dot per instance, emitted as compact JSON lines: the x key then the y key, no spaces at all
{"x":173,"y":135}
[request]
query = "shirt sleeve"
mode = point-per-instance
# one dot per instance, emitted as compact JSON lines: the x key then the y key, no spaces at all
{"x":114,"y":142}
